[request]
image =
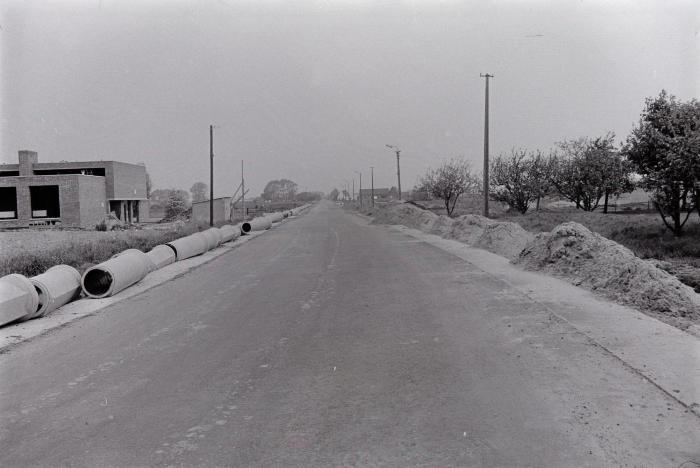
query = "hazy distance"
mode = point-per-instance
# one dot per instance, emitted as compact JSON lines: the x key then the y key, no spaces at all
{"x":312,"y":91}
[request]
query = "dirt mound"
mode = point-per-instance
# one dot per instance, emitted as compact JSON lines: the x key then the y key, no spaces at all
{"x":502,"y":238}
{"x":469,"y":228}
{"x":588,"y":259}
{"x":442,"y":226}
{"x":405,"y":214}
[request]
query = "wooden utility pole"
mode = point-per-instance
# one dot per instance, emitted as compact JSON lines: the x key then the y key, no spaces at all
{"x":486,"y":146}
{"x":398,"y":166}
{"x":372,"y":169}
{"x":211,"y":175}
{"x":360,"y":192}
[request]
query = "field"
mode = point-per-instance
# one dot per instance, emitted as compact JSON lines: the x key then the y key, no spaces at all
{"x":32,"y":251}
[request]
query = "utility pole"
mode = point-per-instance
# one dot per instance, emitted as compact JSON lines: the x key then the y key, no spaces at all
{"x":211,"y":175}
{"x":486,"y":146}
{"x":360,"y":188}
{"x":398,"y":166}
{"x":353,"y":189}
{"x":372,"y":169}
{"x":243,"y":196}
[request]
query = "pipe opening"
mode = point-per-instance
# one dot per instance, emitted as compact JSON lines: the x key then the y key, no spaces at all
{"x":245,"y":227}
{"x":97,"y":282}
{"x":42,"y":298}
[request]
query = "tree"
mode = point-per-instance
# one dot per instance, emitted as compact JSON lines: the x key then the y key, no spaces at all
{"x":279,"y":190}
{"x":308,"y":196}
{"x":449,"y":181}
{"x":199,"y":192}
{"x":540,"y":177}
{"x":585,"y":170}
{"x":176,"y":204}
{"x":519,"y":179}
{"x":161,"y":196}
{"x":665,"y":150}
{"x":334,"y":194}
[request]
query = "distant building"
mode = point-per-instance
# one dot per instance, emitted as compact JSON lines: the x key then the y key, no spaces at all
{"x":222,"y":210}
{"x":379,"y":194}
{"x":77,"y":194}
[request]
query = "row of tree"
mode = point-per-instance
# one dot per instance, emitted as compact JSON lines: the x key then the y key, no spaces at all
{"x":661,"y":156}
{"x":584,"y":171}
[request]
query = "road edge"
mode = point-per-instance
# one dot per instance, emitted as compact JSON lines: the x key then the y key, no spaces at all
{"x":667,"y":357}
{"x":22,"y":332}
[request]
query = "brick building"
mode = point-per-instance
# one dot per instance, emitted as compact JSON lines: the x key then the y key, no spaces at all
{"x":77,"y":194}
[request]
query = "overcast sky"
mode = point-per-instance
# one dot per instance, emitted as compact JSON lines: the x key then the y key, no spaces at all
{"x":312,"y":91}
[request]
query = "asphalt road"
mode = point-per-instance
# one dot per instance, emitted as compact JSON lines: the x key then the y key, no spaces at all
{"x":330,"y":342}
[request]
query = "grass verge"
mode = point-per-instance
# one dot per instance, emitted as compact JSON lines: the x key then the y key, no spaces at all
{"x":82,"y":253}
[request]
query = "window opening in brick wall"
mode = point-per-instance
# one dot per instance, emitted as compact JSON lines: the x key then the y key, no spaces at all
{"x":93,"y":171}
{"x":44,"y":200}
{"x":8,"y":203}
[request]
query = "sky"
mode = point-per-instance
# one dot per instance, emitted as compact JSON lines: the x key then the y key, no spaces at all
{"x":312,"y":91}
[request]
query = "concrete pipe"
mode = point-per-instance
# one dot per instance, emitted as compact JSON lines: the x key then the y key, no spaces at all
{"x":56,"y":287}
{"x":18,"y":298}
{"x":162,"y":255}
{"x":256,"y":224}
{"x":213,"y":237}
{"x":116,"y":274}
{"x":229,"y":233}
{"x":189,"y":246}
{"x":276,"y":217}
{"x":150,"y":264}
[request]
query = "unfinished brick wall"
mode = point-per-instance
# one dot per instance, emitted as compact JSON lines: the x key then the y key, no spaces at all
{"x":73,"y":197}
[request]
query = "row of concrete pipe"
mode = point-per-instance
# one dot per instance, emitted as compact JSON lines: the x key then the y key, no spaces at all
{"x":23,"y":298}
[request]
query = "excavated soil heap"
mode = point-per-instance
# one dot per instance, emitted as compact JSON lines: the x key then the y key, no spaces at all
{"x":442,"y":226}
{"x":588,"y":259}
{"x":502,"y":238}
{"x":405,"y":214}
{"x":505,"y":239}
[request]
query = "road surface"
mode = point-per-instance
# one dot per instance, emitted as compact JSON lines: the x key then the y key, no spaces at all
{"x":330,"y":342}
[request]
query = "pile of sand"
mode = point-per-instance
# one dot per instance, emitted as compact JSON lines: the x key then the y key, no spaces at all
{"x":588,"y":259}
{"x":502,"y":238}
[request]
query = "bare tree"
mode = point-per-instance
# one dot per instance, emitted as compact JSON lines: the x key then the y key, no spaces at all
{"x":449,"y":181}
